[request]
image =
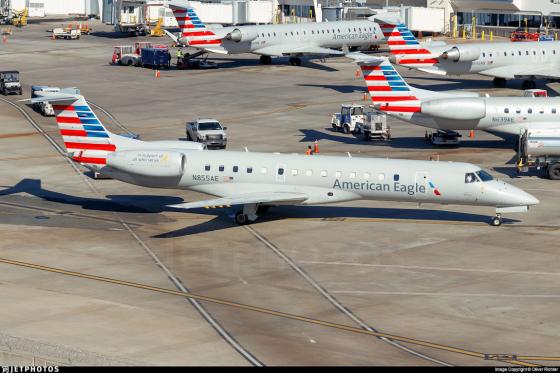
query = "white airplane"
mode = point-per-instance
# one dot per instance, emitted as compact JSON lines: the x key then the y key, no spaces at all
{"x":255,"y":181}
{"x":500,"y":60}
{"x":453,"y":110}
{"x":294,"y":40}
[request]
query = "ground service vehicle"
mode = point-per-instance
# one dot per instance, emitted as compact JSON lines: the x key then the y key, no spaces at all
{"x":156,"y":58}
{"x":540,"y":149}
{"x":9,"y":82}
{"x":68,"y":34}
{"x":375,"y":126}
{"x":348,"y":118}
{"x":444,"y":138}
{"x":45,"y":108}
{"x":207,"y":131}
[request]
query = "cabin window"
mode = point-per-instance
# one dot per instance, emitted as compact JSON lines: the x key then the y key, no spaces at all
{"x":506,"y":110}
{"x":530,"y":111}
{"x":553,"y":110}
{"x":541,"y":111}
{"x":235,"y":168}
{"x":313,"y":32}
{"x":518,"y":111}
{"x":354,"y":29}
{"x":291,"y":32}
{"x":249,"y":170}
{"x":327,"y":31}
{"x":527,"y":53}
{"x":304,"y":33}
{"x":280,"y":171}
{"x":520,"y":53}
{"x":490,"y":54}
{"x":263,"y":35}
{"x":396,"y":177}
{"x":484,"y":55}
{"x":543,"y":52}
{"x":352,"y":175}
{"x":554,"y":51}
{"x":264,"y":170}
{"x":323,"y":173}
{"x":338,"y":174}
{"x":309,"y":173}
{"x":339,"y":30}
{"x":269,"y":34}
{"x":381,"y":177}
{"x":360,"y":29}
{"x":534,"y":53}
{"x":505,"y":54}
{"x":322,"y":31}
{"x":274,"y":34}
{"x":297,"y":32}
{"x":294,"y":172}
{"x":349,"y":30}
{"x":221,"y":168}
{"x":470,"y":178}
{"x":207,"y":167}
{"x":367,"y":176}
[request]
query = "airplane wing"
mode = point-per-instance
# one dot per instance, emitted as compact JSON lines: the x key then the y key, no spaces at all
{"x":547,"y":71}
{"x":284,"y":49}
{"x":242,"y":199}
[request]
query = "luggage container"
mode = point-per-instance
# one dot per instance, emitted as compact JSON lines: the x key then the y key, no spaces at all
{"x":156,"y":58}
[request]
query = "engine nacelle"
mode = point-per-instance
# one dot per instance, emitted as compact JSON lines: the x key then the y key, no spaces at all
{"x":242,"y":35}
{"x":149,"y":163}
{"x":462,"y":53}
{"x":455,"y":108}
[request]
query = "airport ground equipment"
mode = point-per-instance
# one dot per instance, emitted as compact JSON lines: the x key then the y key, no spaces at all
{"x":156,"y":58}
{"x":443,"y":138}
{"x":191,"y":61}
{"x":9,"y":82}
{"x":207,"y":131}
{"x":130,"y":55}
{"x":45,"y":108}
{"x":157,"y":31}
{"x":19,"y":17}
{"x":375,"y":126}
{"x":535,"y":93}
{"x":66,"y":33}
{"x":348,"y":118}
{"x":540,"y":149}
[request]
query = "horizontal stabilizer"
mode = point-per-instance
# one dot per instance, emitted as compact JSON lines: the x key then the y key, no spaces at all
{"x":366,"y":58}
{"x":391,"y":18}
{"x":242,"y":199}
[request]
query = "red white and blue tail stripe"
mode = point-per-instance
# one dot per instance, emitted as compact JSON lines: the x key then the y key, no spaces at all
{"x":388,"y":91}
{"x":85,"y":138}
{"x":193,"y":30}
{"x":404,"y":46}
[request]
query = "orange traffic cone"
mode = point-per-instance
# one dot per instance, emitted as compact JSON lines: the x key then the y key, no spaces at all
{"x":157,"y":73}
{"x":471,"y":134}
{"x":316,"y":147}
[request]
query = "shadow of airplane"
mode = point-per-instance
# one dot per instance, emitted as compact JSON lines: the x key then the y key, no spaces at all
{"x":338,"y":88}
{"x":229,"y":62}
{"x":310,"y":135}
{"x":156,"y":204}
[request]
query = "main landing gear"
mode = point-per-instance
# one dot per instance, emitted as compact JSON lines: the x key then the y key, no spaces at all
{"x":496,"y":221}
{"x":499,"y":82}
{"x":295,"y":61}
{"x":250,"y":213}
{"x":266,"y":60}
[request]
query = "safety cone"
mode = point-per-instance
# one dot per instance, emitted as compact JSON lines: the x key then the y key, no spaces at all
{"x":471,"y":134}
{"x":316,"y":147}
{"x":157,"y":73}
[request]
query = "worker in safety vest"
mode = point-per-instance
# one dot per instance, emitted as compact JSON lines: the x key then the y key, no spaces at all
{"x":309,"y":150}
{"x":179,"y":55}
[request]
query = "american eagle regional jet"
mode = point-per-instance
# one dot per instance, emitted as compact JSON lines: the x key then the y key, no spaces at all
{"x":294,"y":40}
{"x":254,"y":181}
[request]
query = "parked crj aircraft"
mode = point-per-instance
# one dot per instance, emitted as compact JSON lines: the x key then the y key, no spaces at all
{"x":294,"y":40}
{"x":500,"y":60}
{"x":255,"y":181}
{"x":453,"y":110}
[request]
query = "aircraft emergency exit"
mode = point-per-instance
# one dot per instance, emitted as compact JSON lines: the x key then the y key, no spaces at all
{"x":294,"y":40}
{"x":255,"y":181}
{"x":500,"y":60}
{"x":453,"y":110}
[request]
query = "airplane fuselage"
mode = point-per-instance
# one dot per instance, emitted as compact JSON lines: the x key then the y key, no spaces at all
{"x":325,"y":34}
{"x":322,"y":179}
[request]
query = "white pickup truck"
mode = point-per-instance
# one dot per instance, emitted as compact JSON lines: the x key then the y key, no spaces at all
{"x":207,"y":131}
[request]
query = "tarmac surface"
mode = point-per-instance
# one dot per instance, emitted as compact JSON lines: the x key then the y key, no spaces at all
{"x":435,"y":273}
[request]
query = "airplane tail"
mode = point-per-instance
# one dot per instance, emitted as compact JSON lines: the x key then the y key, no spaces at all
{"x":388,"y":90}
{"x":85,"y":138}
{"x":193,"y":31}
{"x":407,"y":51}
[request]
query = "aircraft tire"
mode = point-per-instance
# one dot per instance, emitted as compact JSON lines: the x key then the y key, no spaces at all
{"x":241,"y":218}
{"x":554,"y":171}
{"x":496,"y":221}
{"x":499,"y":82}
{"x":346,"y":129}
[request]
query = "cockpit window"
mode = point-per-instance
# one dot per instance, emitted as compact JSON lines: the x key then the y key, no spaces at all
{"x":470,"y":178}
{"x":484,"y":176}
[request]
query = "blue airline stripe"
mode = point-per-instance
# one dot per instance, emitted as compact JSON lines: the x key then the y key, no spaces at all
{"x":82,"y":114}
{"x":97,"y":134}
{"x":397,"y":84}
{"x":400,"y":89}
{"x":387,"y":68}
{"x":393,"y":78}
{"x":89,"y":121}
{"x":93,"y":128}
{"x":82,"y":108}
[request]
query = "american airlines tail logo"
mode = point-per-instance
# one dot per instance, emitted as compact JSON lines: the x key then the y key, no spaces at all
{"x":433,"y":187}
{"x":401,"y":42}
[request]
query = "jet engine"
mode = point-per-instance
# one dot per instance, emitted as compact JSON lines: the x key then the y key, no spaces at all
{"x":455,"y":108}
{"x":242,"y":35}
{"x":149,"y":163}
{"x":462,"y":53}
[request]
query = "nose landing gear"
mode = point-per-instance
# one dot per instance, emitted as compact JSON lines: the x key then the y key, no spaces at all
{"x":496,"y":221}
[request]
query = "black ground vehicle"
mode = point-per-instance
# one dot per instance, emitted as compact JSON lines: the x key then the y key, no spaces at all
{"x":9,"y":82}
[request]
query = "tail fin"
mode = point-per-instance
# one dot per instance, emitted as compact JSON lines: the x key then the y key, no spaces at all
{"x":388,"y":91}
{"x":193,"y":30}
{"x":86,"y":140}
{"x":406,"y":49}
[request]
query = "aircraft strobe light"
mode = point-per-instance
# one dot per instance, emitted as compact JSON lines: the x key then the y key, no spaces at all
{"x":149,"y":163}
{"x":455,"y":108}
{"x":462,"y":53}
{"x":238,"y":35}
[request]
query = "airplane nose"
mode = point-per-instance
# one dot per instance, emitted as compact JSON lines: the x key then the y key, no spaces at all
{"x":530,"y":200}
{"x":519,"y":197}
